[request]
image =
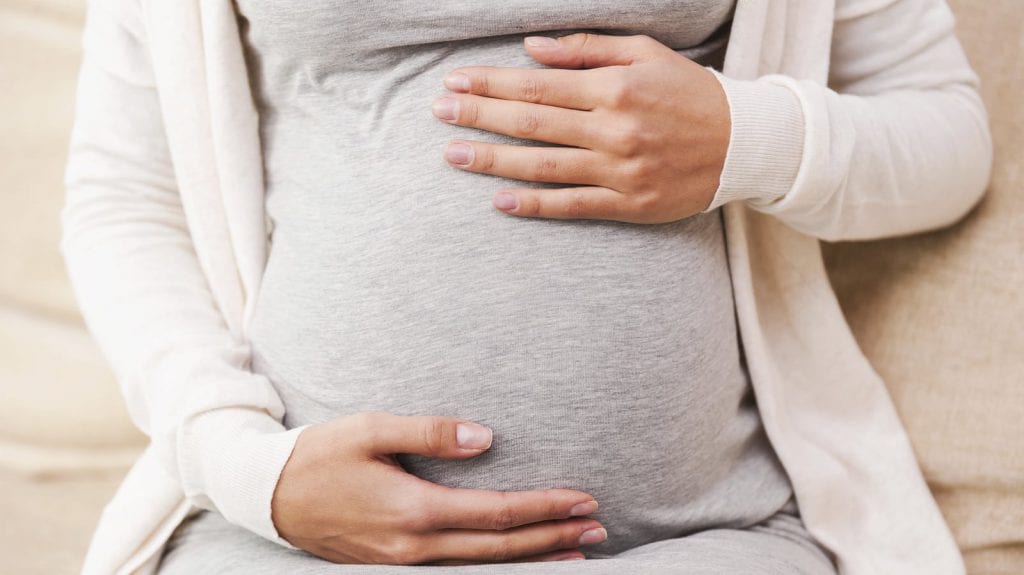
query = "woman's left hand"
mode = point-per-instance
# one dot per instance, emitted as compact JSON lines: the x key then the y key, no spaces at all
{"x":647,"y":129}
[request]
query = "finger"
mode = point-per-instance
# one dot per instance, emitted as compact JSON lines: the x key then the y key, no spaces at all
{"x":434,"y":436}
{"x":587,"y":50}
{"x":584,"y":203}
{"x":533,"y":539}
{"x":560,"y":555}
{"x":520,"y":119}
{"x":487,"y":509}
{"x":576,"y":89}
{"x":538,"y":164}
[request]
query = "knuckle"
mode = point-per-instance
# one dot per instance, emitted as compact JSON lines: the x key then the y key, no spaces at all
{"x":502,"y":550}
{"x":436,"y":434}
{"x":544,"y":168}
{"x":643,"y":204}
{"x":482,"y":84}
{"x":553,"y":506}
{"x":585,"y":39}
{"x":416,"y":512}
{"x":507,"y":516}
{"x":365,"y":423}
{"x":404,"y":550}
{"x":578,"y":205}
{"x":469,"y":112}
{"x":637,"y":171}
{"x":620,"y":91}
{"x":646,"y":40}
{"x":631,"y":139}
{"x":529,"y":90}
{"x":487,"y":158}
{"x":526,"y":124}
{"x":530,"y":204}
{"x":568,"y":536}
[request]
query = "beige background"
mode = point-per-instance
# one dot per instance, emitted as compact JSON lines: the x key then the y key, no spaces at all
{"x":64,"y":436}
{"x":940,"y":315}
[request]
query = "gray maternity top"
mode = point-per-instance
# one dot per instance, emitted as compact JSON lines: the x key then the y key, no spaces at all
{"x":604,"y":355}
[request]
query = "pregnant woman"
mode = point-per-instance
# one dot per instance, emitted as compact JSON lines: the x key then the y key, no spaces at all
{"x":430,"y":372}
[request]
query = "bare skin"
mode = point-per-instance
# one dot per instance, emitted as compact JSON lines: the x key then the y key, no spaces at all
{"x":343,"y":497}
{"x":645,"y":129}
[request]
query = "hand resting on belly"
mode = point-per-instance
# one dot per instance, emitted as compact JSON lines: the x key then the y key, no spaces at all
{"x":343,"y":497}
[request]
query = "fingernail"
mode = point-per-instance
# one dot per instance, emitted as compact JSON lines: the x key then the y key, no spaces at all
{"x":461,"y":154}
{"x":592,"y":536}
{"x":472,"y":436}
{"x":583,"y":508}
{"x":446,"y":108}
{"x":506,"y":201}
{"x":541,"y":41}
{"x":457,"y":81}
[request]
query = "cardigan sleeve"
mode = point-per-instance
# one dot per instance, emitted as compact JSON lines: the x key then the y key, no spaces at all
{"x":897,"y":143}
{"x":215,"y":425}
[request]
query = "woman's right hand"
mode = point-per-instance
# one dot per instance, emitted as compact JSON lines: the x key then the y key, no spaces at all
{"x":344,"y":497}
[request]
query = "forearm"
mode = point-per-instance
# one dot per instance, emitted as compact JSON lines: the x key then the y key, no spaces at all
{"x":145,"y":298}
{"x":898,"y":143}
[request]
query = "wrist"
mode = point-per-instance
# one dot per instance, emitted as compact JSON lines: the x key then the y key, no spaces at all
{"x":231,"y":461}
{"x":765,"y":142}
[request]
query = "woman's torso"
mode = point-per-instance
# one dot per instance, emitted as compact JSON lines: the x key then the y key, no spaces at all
{"x":604,"y":355}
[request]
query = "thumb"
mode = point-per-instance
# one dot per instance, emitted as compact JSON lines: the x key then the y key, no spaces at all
{"x":586,"y":50}
{"x":433,"y":436}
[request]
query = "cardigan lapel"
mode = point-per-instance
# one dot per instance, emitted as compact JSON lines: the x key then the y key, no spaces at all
{"x":825,"y":410}
{"x":764,"y":37}
{"x":236,"y":143}
{"x":742,"y":53}
{"x":196,"y":122}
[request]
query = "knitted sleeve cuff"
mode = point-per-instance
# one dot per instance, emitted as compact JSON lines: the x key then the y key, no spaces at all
{"x":766,"y":140}
{"x":231,"y":461}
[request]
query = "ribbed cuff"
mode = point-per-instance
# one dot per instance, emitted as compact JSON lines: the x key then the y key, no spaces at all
{"x":231,"y":461}
{"x":766,"y":141}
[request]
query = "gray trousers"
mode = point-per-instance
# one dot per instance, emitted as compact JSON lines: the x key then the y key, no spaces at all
{"x":208,"y":544}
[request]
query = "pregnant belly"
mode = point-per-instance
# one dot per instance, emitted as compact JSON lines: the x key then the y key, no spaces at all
{"x":603,"y":355}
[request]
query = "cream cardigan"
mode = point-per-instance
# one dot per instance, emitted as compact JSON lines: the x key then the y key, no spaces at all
{"x":165,"y":261}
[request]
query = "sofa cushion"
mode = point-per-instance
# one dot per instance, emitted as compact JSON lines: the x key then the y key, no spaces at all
{"x":45,"y":351}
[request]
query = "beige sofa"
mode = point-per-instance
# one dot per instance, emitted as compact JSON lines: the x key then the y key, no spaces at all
{"x":939,"y":314}
{"x":65,"y":440}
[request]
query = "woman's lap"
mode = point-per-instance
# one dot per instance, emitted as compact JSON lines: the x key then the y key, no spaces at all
{"x":778,"y":546}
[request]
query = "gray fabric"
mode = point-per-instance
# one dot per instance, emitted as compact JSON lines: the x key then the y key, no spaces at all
{"x":208,"y":545}
{"x":604,"y":355}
